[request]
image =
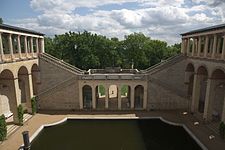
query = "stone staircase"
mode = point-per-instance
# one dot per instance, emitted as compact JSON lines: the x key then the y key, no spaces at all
{"x":157,"y":67}
{"x":11,"y":128}
{"x":60,"y":63}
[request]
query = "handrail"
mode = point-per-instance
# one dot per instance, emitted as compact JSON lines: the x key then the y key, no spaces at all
{"x":61,"y":64}
{"x":169,"y":60}
{"x":46,"y":54}
{"x":56,"y":86}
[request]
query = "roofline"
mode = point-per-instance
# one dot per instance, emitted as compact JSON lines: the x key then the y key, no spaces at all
{"x":19,"y":29}
{"x":210,"y":28}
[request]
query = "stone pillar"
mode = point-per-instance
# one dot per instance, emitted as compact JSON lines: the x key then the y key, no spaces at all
{"x":119,"y":97}
{"x":11,"y":46}
{"x":183,"y":46}
{"x":208,"y":100}
{"x":214,"y":46}
{"x":106,"y":96}
{"x":31,"y":46}
{"x":145,"y":97}
{"x":19,"y":46}
{"x":16,"y":100}
{"x":81,"y":96}
{"x":37,"y":46}
{"x":42,"y":45}
{"x":223,"y":113}
{"x":132,"y":97}
{"x":93,"y":97}
{"x":199,"y":45}
{"x":25,"y":46}
{"x":193,"y":47}
{"x":188,"y":46}
{"x":195,"y":93}
{"x":1,"y":48}
{"x":206,"y":46}
{"x":223,"y":49}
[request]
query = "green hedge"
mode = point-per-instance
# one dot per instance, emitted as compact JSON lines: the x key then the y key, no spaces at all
{"x":222,"y":130}
{"x":3,"y":128}
{"x":34,"y":105}
{"x":20,"y":114}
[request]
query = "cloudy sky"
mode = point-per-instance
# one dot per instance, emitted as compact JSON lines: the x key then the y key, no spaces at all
{"x":159,"y":19}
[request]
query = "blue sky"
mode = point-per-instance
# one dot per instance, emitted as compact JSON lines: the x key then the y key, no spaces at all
{"x":159,"y":19}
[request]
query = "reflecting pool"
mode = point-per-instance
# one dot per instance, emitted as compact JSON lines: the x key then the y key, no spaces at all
{"x":119,"y":134}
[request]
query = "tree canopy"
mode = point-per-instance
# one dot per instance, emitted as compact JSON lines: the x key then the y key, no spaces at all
{"x":86,"y":50}
{"x":1,"y":21}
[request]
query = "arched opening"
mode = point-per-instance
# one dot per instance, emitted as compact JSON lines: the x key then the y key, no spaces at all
{"x":100,"y":97}
{"x":218,"y":77}
{"x":24,"y":88}
{"x":125,"y":97}
{"x":202,"y":77}
{"x":138,"y":96}
{"x":87,"y":96}
{"x":113,"y":97}
{"x":8,"y":95}
{"x":189,"y":78}
{"x":35,"y":72}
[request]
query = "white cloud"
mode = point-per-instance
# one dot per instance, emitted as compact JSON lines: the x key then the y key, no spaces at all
{"x":159,"y":19}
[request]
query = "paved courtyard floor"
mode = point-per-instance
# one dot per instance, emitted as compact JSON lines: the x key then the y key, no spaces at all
{"x":201,"y":131}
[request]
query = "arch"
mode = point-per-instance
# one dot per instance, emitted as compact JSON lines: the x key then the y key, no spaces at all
{"x":100,"y":96}
{"x":113,"y":96}
{"x":125,"y":96}
{"x":35,"y":72}
{"x":218,"y":94}
{"x":202,"y":70}
{"x":190,"y":67}
{"x":8,"y":94}
{"x":87,"y":96}
{"x":138,"y":96}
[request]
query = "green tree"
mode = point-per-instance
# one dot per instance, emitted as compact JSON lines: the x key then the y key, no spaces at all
{"x":1,"y":21}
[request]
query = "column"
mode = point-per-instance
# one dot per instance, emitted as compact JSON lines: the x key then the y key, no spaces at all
{"x":214,"y":46}
{"x":1,"y":48}
{"x":119,"y":97}
{"x":132,"y":97}
{"x":195,"y":93}
{"x":206,"y":46}
{"x":208,"y":100}
{"x":188,"y":46}
{"x":193,"y":47}
{"x":10,"y":46}
{"x":16,"y":100}
{"x":37,"y":46}
{"x":19,"y":46}
{"x":223,"y":113}
{"x":223,"y":49}
{"x":199,"y":45}
{"x":93,"y":97}
{"x":145,"y":97}
{"x":81,"y":96}
{"x":31,"y":46}
{"x":183,"y":46}
{"x":42,"y":45}
{"x":106,"y":96}
{"x":25,"y":46}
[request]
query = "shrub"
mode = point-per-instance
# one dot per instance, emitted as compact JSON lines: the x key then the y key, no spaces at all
{"x":20,"y":114}
{"x":3,"y":128}
{"x":33,"y":105}
{"x":222,"y":130}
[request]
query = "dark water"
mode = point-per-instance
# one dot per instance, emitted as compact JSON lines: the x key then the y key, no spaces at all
{"x":146,"y":134}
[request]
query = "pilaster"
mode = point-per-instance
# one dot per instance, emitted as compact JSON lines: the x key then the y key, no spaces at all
{"x":145,"y":97}
{"x":93,"y":97}
{"x":119,"y":97}
{"x":80,"y":96}
{"x":106,"y":96}
{"x":132,"y":97}
{"x":195,"y":93}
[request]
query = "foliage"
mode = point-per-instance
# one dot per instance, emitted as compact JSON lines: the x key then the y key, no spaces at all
{"x":34,"y":105}
{"x":101,"y":90}
{"x":222,"y":130}
{"x":20,"y":114}
{"x":1,"y":21}
{"x":86,"y":50}
{"x":124,"y":90}
{"x":3,"y":128}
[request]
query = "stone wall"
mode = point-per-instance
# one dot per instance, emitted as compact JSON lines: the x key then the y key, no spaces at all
{"x":58,"y":88}
{"x":166,"y":88}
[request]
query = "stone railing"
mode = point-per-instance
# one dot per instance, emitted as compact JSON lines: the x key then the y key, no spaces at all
{"x":113,"y":77}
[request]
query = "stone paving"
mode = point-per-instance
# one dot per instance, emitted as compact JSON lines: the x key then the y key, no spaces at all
{"x":201,"y":131}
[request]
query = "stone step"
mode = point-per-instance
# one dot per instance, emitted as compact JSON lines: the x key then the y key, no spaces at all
{"x":11,"y":129}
